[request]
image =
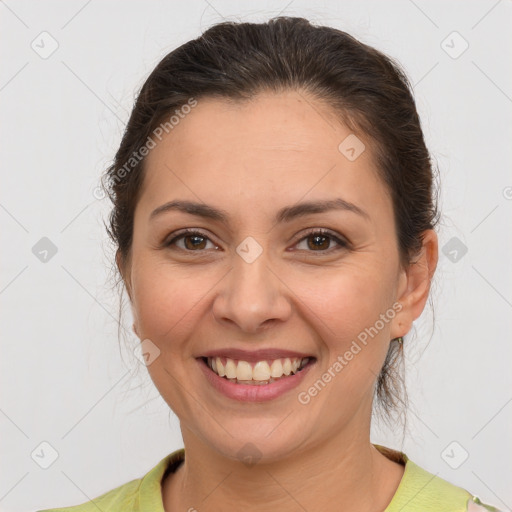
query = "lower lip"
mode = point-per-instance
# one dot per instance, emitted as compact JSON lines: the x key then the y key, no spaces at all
{"x":257,"y":392}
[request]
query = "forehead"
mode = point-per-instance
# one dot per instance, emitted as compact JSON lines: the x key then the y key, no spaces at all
{"x":269,"y":122}
{"x":276,"y":147}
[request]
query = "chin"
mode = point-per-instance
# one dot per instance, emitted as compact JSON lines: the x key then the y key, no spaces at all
{"x":267,"y":442}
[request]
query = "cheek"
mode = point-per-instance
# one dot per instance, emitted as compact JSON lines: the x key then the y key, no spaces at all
{"x":166,"y":301}
{"x":346,"y":299}
{"x":345,"y":308}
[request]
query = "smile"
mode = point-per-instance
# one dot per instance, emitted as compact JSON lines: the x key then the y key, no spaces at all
{"x":254,"y":382}
{"x":257,"y":373}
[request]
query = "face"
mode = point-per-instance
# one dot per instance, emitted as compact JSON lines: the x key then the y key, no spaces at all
{"x":253,"y":280}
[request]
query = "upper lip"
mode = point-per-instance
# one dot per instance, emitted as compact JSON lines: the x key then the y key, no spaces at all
{"x":253,"y":356}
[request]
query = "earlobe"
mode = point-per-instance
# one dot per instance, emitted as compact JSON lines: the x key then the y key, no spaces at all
{"x":416,"y":280}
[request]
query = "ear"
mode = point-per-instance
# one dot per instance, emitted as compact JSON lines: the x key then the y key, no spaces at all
{"x":125,"y":274}
{"x":414,"y":285}
{"x":124,"y":270}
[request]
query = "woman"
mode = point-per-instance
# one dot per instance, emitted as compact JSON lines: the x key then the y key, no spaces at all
{"x":274,"y":219}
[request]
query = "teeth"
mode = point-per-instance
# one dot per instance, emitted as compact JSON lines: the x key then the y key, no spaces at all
{"x":219,"y":366}
{"x":243,"y":370}
{"x":287,"y":366}
{"x":230,"y":369}
{"x":276,"y":370}
{"x":260,"y":371}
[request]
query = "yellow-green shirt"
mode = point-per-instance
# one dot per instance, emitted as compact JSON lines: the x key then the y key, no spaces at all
{"x":418,"y":491}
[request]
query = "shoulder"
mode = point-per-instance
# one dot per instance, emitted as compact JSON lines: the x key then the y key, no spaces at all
{"x":423,"y":491}
{"x":139,"y":494}
{"x":123,"y":497}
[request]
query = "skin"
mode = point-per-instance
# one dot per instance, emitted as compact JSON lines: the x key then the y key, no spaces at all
{"x":250,"y":160}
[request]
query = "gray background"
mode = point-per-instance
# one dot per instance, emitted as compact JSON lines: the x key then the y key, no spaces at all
{"x":64,"y":379}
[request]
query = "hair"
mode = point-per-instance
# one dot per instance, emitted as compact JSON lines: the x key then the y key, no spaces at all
{"x":365,"y":89}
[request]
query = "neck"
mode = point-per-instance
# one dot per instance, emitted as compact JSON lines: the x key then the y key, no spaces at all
{"x":347,"y":468}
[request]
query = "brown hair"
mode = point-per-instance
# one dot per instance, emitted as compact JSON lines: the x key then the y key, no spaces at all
{"x":366,"y":89}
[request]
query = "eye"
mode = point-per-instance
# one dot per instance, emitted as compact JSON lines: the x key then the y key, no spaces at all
{"x":321,"y":240}
{"x":196,"y":241}
{"x":192,"y":238}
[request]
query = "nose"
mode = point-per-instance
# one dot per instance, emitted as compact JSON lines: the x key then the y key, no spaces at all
{"x":252,"y":297}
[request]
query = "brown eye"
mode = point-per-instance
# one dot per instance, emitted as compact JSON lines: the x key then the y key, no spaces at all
{"x":320,"y":241}
{"x":194,"y":241}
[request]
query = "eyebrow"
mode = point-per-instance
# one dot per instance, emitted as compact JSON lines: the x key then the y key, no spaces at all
{"x":286,"y":214}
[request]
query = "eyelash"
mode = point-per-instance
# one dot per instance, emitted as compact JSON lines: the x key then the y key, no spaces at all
{"x":316,"y":231}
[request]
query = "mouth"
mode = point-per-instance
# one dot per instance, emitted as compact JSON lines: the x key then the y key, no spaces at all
{"x":256,"y":373}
